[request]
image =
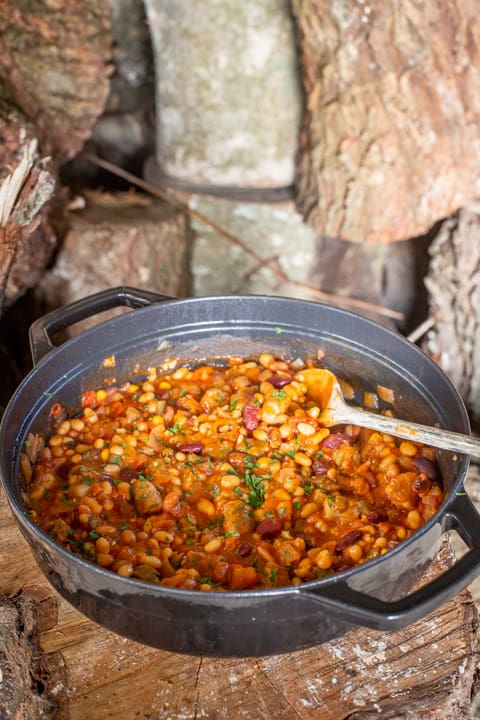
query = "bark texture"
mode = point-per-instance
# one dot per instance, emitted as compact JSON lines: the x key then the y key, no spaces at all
{"x":391,"y":140}
{"x":27,"y":185}
{"x":23,"y":692}
{"x":453,"y":284}
{"x":54,"y":66}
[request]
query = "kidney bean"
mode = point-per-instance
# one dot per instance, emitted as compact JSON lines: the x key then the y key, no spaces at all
{"x":127,"y":474}
{"x":348,"y":539}
{"x":375,"y":517}
{"x":427,"y":466}
{"x":251,"y":416}
{"x":193,"y":447}
{"x":244,"y":550}
{"x":269,"y":528}
{"x":321,"y":466}
{"x":422,"y":484}
{"x":279,"y":381}
{"x":335,"y":440}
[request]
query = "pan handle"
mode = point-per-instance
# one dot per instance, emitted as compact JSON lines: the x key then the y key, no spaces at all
{"x":362,"y":609}
{"x":62,"y":317}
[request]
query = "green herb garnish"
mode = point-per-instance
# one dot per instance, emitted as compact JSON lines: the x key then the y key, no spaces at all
{"x":256,"y":484}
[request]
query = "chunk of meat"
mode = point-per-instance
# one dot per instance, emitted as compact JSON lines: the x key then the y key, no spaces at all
{"x":146,"y":497}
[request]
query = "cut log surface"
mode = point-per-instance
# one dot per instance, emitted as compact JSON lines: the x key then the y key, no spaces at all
{"x":119,"y":239}
{"x":425,"y":671}
{"x":390,"y":142}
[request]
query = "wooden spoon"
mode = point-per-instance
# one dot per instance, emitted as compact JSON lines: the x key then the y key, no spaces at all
{"x":324,"y":388}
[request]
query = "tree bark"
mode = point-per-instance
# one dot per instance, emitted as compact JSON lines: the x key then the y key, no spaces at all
{"x":23,"y":691}
{"x":27,"y":184}
{"x":390,"y":141}
{"x":54,"y":66}
{"x":426,"y":671}
{"x":453,"y":283}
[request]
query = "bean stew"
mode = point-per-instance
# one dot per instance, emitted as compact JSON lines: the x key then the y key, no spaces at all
{"x":223,"y":477}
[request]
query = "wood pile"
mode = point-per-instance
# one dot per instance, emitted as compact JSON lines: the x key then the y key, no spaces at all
{"x":389,"y":151}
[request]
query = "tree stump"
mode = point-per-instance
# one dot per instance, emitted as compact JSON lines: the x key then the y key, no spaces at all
{"x":427,"y":670}
{"x":390,"y":140}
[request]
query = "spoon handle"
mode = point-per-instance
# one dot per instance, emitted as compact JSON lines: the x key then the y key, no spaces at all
{"x":436,"y":437}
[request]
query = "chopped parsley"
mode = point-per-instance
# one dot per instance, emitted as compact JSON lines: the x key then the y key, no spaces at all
{"x":307,"y":486}
{"x":256,"y":496}
{"x":176,"y":429}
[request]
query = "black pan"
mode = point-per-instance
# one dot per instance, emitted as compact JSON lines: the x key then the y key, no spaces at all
{"x":252,"y":622}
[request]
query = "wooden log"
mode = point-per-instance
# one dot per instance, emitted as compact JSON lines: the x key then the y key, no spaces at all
{"x":27,"y":185}
{"x":22,"y":695}
{"x":54,"y":66}
{"x":452,"y":282}
{"x":390,"y":139}
{"x":427,"y":670}
{"x":119,"y":239}
{"x":238,"y":131}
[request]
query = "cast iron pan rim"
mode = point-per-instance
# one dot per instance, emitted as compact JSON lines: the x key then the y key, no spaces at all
{"x":265,"y":324}
{"x":236,"y":299}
